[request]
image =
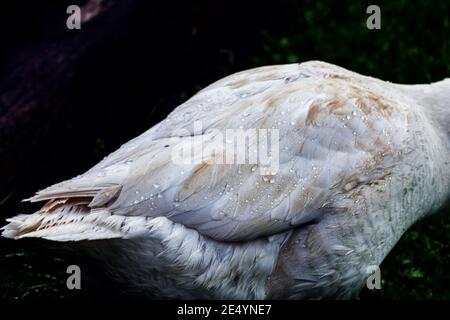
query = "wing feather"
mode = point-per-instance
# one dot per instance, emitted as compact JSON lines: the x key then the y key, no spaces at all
{"x":332,"y":126}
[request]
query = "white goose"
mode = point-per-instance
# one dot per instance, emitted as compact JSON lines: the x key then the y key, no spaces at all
{"x":360,"y":161}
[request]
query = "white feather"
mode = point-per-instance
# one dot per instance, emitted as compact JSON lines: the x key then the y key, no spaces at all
{"x":360,"y":161}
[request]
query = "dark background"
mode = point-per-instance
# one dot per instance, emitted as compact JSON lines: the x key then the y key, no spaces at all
{"x":70,"y":97}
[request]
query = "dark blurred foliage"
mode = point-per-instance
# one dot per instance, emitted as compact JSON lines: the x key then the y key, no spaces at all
{"x":161,"y":54}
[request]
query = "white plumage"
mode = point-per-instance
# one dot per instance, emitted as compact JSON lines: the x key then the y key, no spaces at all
{"x":360,"y":161}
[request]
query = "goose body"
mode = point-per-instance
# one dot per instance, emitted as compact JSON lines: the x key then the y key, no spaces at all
{"x":360,"y":161}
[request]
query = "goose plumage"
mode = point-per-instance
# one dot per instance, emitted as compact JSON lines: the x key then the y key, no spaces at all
{"x":360,"y":161}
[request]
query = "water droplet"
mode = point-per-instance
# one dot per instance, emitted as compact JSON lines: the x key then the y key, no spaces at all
{"x":272,"y":180}
{"x":156,"y":186}
{"x":254,"y":168}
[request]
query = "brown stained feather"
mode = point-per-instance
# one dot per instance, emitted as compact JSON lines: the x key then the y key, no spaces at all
{"x":216,"y":158}
{"x":340,"y":77}
{"x":352,"y":184}
{"x":313,"y":113}
{"x":52,"y":204}
{"x":78,"y":205}
{"x":379,"y":179}
{"x":361,"y":104}
{"x":189,"y":182}
{"x":27,"y":229}
{"x":248,"y":80}
{"x":55,"y":204}
{"x":367,"y":100}
{"x":335,"y":104}
{"x":239,"y":83}
{"x":381,"y":105}
{"x":272,"y":101}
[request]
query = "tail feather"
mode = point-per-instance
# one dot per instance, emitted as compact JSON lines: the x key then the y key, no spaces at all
{"x":67,"y":221}
{"x":97,"y":197}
